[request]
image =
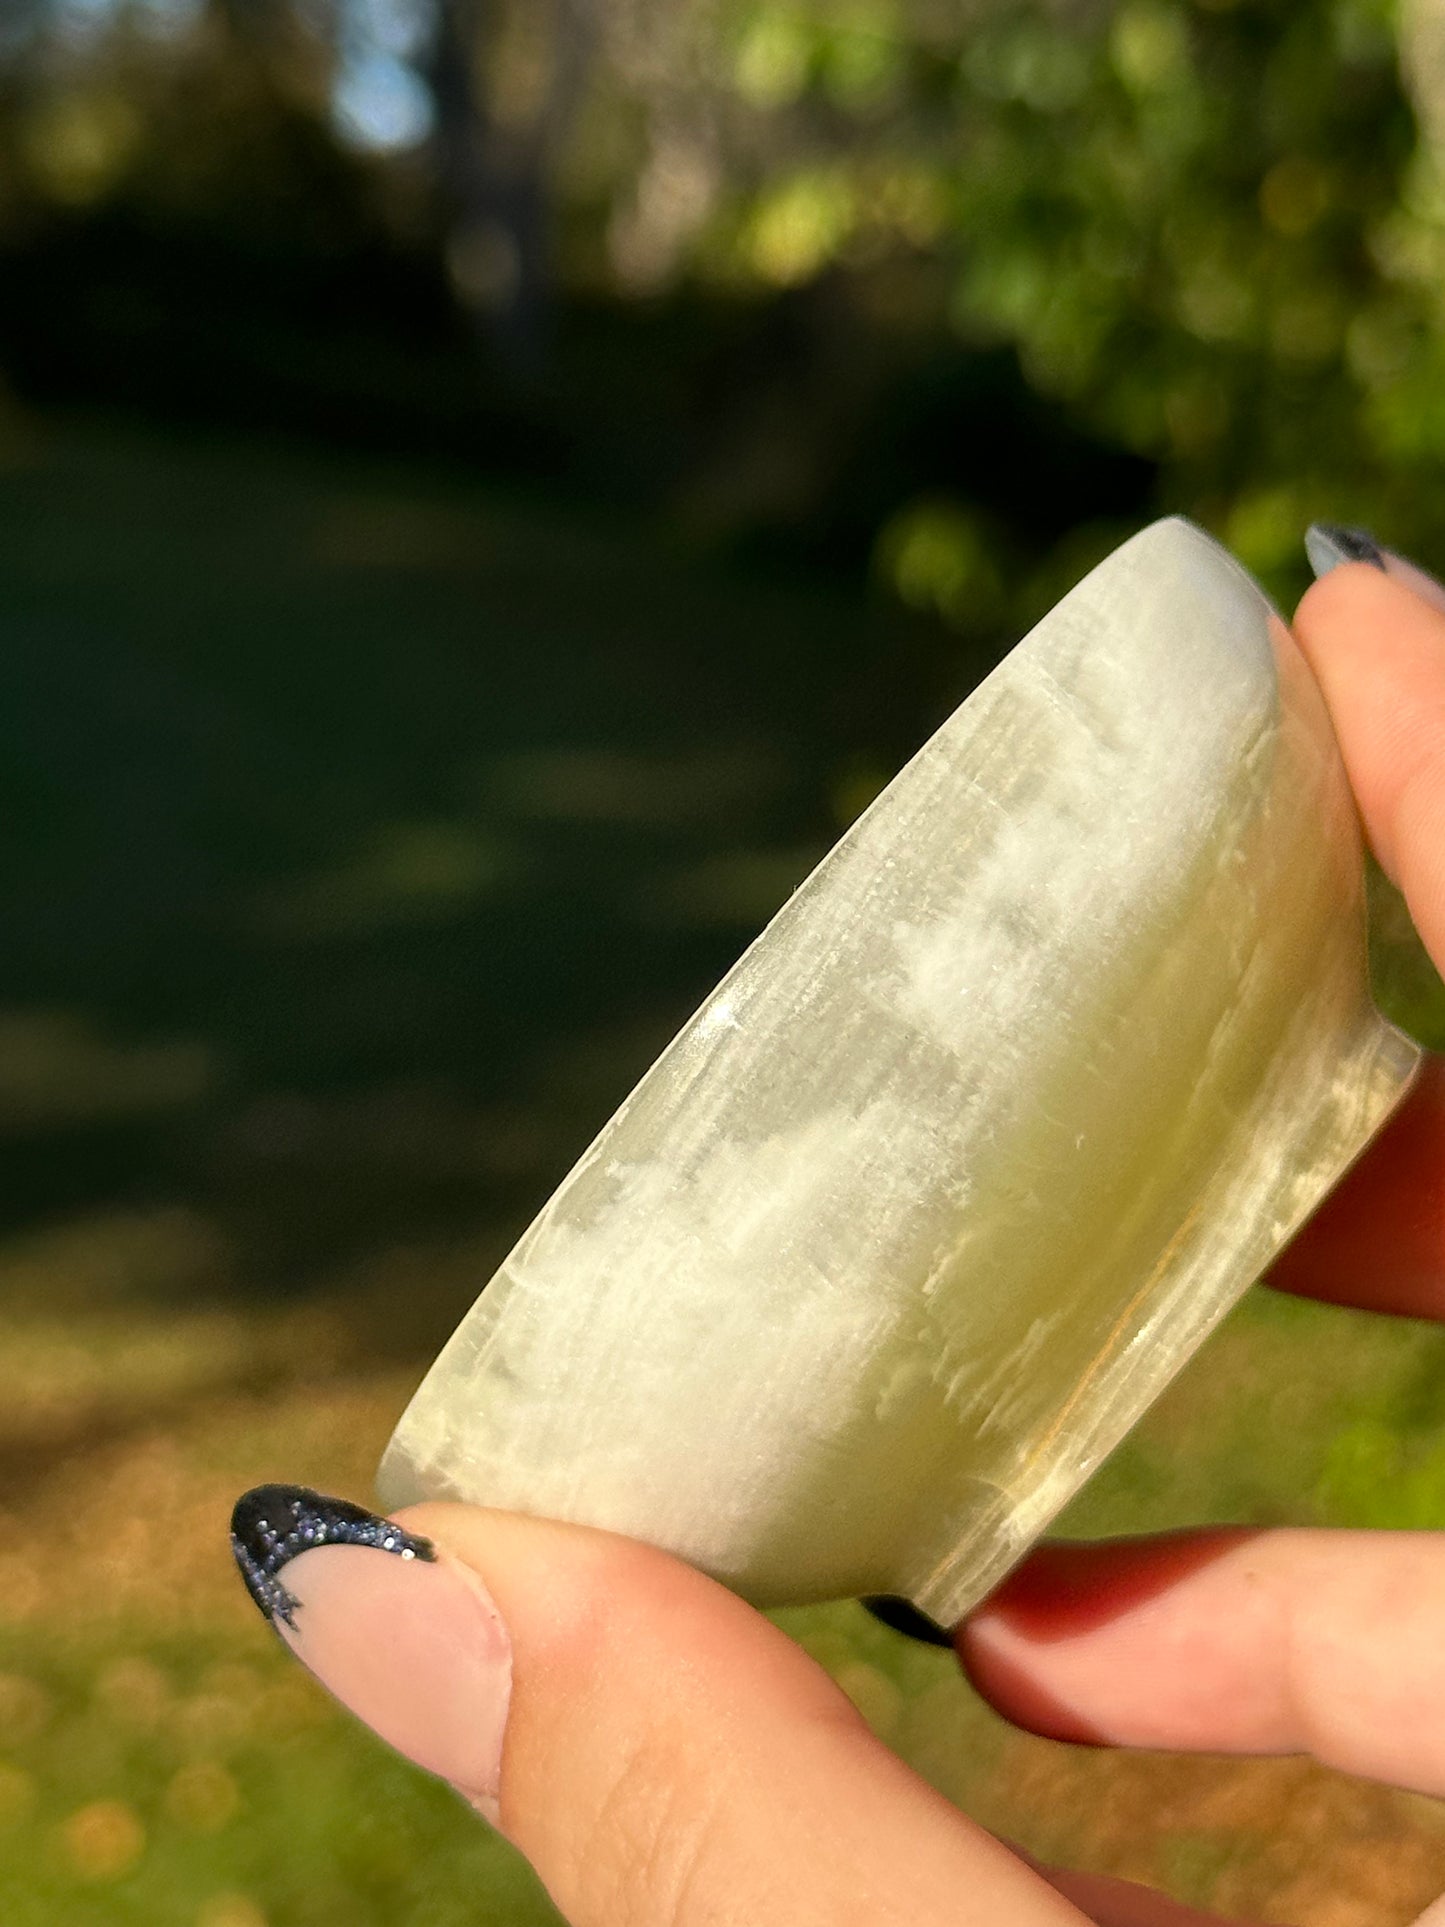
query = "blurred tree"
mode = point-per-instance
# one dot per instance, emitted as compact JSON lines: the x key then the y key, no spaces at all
{"x":505,"y":86}
{"x":1208,"y":234}
{"x":1180,"y":216}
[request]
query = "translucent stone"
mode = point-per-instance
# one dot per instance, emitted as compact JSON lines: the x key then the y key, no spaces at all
{"x":1001,"y":1113}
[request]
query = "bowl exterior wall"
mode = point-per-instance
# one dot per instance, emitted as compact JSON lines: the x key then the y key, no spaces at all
{"x":1003,"y":1111}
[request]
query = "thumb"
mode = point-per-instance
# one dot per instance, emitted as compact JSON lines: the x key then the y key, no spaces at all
{"x":662,"y":1754}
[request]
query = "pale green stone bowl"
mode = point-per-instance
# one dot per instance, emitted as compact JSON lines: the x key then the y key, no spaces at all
{"x":999,"y":1116}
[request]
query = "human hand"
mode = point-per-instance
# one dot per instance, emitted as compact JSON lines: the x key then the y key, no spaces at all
{"x":665,"y":1757}
{"x":1324,"y":1643}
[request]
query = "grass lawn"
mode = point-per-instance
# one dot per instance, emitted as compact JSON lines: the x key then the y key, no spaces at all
{"x":367,"y":831}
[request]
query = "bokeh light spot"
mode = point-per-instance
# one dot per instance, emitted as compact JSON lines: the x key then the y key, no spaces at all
{"x":203,"y":1797}
{"x":134,"y":1692}
{"x":230,"y":1910}
{"x":381,"y":104}
{"x":104,"y":1840}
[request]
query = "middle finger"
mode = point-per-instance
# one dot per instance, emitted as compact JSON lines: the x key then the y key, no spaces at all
{"x":1229,"y":1640}
{"x":1378,"y":1242}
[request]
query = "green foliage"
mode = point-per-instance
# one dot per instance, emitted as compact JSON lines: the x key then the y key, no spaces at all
{"x":941,"y":557}
{"x":1211,"y":231}
{"x":1375,"y":1477}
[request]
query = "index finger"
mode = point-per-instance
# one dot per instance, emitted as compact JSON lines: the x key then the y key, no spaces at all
{"x":1375,"y":640}
{"x":1377,"y":648}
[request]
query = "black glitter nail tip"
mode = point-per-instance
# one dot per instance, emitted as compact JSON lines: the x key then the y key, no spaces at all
{"x":1330,"y":543}
{"x":902,"y":1616}
{"x":273,"y":1524}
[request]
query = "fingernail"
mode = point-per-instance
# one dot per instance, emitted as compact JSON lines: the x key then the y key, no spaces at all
{"x":904,"y":1617}
{"x":406,"y":1638}
{"x":1327,"y":544}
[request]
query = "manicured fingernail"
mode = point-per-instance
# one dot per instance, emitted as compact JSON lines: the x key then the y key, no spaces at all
{"x":904,"y":1617}
{"x":408,"y":1640}
{"x":1327,"y":544}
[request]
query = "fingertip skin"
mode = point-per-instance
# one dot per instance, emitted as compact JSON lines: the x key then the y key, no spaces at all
{"x":1376,"y":645}
{"x":1282,"y":1640}
{"x":1064,"y":1596}
{"x":412,"y":1644}
{"x":1071,"y":1587}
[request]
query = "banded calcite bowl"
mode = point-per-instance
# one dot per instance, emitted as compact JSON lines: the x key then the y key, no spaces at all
{"x":1019,"y":1092}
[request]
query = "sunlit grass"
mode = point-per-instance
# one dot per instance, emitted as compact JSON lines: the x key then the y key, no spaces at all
{"x":158,"y":1777}
{"x":162,"y":1756}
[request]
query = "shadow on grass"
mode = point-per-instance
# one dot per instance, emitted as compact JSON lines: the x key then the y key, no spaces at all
{"x":366,"y":832}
